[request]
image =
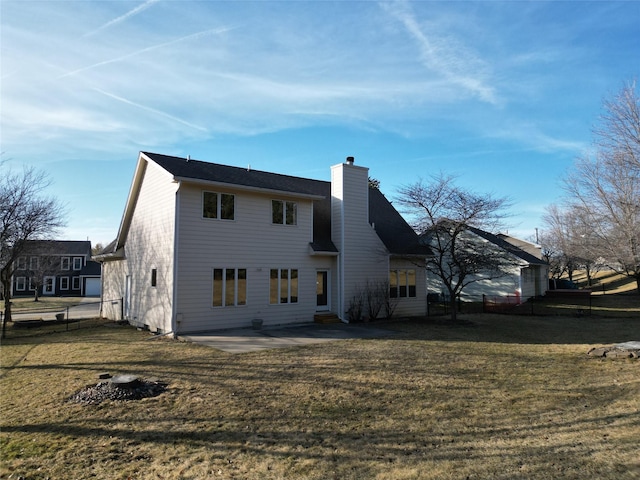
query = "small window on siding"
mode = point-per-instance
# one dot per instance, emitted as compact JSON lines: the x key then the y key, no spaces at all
{"x":218,"y":205}
{"x":64,"y":283}
{"x":21,"y":283}
{"x":75,"y":283}
{"x":64,"y":263}
{"x":77,"y":263}
{"x":154,"y":277}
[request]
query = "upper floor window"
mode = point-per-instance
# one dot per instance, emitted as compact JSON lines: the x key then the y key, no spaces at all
{"x":65,"y":263}
{"x":34,"y":263}
{"x":284,"y":213}
{"x":77,"y":263}
{"x":22,"y":263}
{"x":402,"y":283}
{"x":218,"y":205}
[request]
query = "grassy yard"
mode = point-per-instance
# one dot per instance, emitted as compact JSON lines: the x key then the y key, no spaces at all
{"x":497,"y":397}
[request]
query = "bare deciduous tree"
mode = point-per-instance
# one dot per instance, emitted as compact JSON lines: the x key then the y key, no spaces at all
{"x":443,"y":214}
{"x":605,"y":185}
{"x":26,"y":213}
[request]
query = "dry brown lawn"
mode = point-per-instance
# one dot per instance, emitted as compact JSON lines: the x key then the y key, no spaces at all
{"x":498,"y":397}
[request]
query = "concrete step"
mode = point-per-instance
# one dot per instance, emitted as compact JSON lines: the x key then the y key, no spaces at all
{"x":326,"y":318}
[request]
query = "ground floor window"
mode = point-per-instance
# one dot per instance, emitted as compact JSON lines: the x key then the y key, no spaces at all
{"x":283,"y":286}
{"x":402,"y":283}
{"x":64,"y":283}
{"x":21,"y":284}
{"x":76,"y":283}
{"x":229,"y":287}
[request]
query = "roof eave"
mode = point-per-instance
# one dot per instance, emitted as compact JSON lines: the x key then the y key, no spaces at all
{"x":247,"y":188}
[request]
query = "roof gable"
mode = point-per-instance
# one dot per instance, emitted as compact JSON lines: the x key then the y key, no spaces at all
{"x":398,"y":237}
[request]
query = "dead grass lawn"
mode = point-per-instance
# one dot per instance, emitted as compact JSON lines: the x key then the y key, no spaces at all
{"x":501,"y":397}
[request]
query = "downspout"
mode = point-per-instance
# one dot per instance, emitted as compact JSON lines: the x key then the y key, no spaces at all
{"x":341,"y":292}
{"x":174,"y":295}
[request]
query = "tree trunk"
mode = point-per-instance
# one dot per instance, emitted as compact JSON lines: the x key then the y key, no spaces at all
{"x":454,"y":306}
{"x":7,"y":308}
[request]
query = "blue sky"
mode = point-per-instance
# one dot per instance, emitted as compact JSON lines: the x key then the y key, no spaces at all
{"x":502,"y":94}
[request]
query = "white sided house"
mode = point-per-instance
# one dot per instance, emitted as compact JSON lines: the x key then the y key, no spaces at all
{"x":525,"y":274}
{"x":204,"y":246}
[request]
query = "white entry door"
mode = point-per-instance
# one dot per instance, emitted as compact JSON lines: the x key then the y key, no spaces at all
{"x":48,"y":286}
{"x":322,"y":290}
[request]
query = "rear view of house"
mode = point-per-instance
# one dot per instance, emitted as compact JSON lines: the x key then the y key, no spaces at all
{"x":205,"y":246}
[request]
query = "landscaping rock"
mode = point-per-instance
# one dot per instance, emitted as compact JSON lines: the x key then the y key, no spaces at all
{"x":597,"y":352}
{"x":119,"y":391}
{"x":618,"y":354}
{"x":620,"y":350}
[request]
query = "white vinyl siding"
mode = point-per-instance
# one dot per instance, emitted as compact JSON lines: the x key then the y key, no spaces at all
{"x":255,"y":244}
{"x":149,"y":243}
{"x":363,"y":256}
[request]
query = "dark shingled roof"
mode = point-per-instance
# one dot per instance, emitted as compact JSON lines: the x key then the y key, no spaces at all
{"x":59,"y":247}
{"x":509,"y":247}
{"x":392,"y":229}
{"x":213,"y":172}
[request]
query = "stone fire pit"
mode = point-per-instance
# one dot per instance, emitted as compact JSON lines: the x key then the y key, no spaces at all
{"x":119,"y":387}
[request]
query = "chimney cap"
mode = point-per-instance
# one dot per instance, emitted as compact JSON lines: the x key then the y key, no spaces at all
{"x":350,"y":160}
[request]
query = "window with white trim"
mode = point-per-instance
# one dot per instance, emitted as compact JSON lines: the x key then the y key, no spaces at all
{"x":34,"y":263}
{"x":65,"y":263}
{"x":75,"y":283}
{"x":402,"y":283}
{"x":218,"y":205}
{"x":77,"y":263}
{"x":21,"y":284}
{"x":64,"y":283}
{"x":229,"y":287}
{"x":284,"y":213}
{"x":22,"y":263}
{"x":283,"y":286}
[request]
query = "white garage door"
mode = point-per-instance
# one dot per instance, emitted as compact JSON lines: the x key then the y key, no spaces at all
{"x":92,"y":287}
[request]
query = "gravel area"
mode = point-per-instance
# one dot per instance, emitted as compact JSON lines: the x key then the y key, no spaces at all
{"x":108,"y":390}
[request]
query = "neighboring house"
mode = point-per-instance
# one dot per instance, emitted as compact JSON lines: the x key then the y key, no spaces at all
{"x":205,"y":246}
{"x":525,"y":274}
{"x":56,"y":268}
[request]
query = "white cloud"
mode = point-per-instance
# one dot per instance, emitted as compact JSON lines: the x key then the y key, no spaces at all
{"x":443,"y":54}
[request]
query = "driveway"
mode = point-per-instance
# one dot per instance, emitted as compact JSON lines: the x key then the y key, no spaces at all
{"x":244,"y":340}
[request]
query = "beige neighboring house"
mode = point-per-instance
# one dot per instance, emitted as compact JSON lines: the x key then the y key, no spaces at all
{"x":204,"y":246}
{"x":524,"y":275}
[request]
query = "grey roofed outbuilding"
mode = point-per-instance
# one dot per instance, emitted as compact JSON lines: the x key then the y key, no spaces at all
{"x":398,"y":237}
